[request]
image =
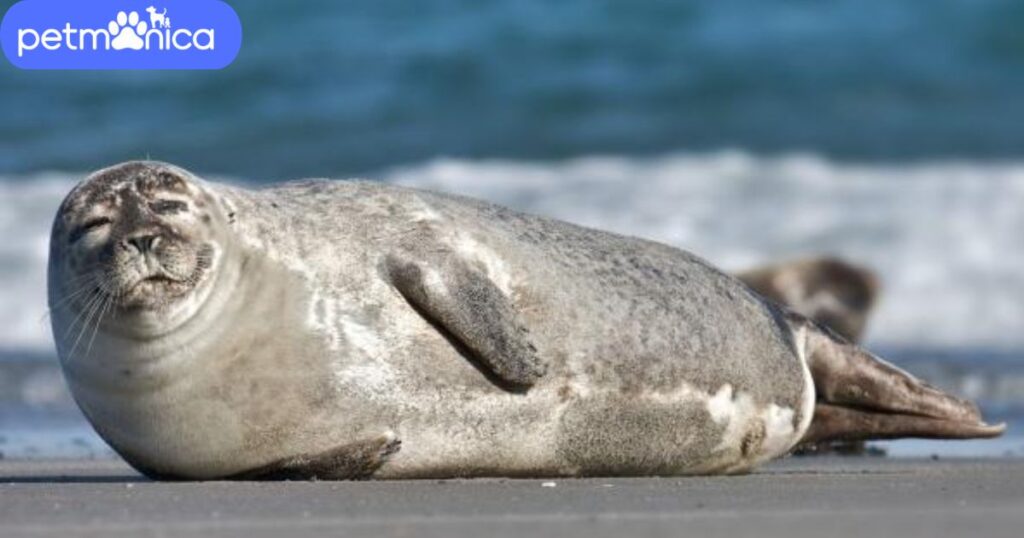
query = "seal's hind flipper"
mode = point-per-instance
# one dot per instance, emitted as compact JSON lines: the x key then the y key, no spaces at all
{"x":838,"y":423}
{"x":469,"y":308}
{"x":354,"y":461}
{"x":863,"y":397}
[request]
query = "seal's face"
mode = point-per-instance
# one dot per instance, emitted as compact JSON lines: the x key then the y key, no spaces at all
{"x":133,"y":239}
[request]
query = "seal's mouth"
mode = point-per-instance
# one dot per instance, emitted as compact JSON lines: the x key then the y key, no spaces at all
{"x":157,"y":281}
{"x":158,"y":290}
{"x":161,"y":286}
{"x":155,"y":290}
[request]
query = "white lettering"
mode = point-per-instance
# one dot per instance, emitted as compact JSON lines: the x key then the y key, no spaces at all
{"x":99,"y":39}
{"x":159,"y":39}
{"x":208,"y":32}
{"x":96,"y":34}
{"x":179,"y":46}
{"x":22,"y":46}
{"x":51,"y":39}
{"x":68,"y":31}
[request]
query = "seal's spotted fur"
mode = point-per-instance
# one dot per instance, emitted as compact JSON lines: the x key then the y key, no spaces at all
{"x":333,"y":320}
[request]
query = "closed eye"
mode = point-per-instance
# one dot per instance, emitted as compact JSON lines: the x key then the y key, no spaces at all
{"x":168,"y":207}
{"x":89,"y":226}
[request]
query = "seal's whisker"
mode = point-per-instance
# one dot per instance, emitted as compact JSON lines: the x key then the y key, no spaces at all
{"x":107,"y":301}
{"x":90,"y":297}
{"x":91,"y":275}
{"x":93,"y":298}
{"x":88,"y":272}
{"x":88,"y":277}
{"x":82,"y":281}
{"x":64,"y":301}
{"x":115,"y":299}
{"x":85,"y":325}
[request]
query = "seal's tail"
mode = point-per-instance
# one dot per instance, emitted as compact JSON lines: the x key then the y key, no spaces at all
{"x":860,"y":396}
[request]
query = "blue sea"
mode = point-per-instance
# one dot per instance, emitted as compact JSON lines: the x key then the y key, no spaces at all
{"x":748,"y":131}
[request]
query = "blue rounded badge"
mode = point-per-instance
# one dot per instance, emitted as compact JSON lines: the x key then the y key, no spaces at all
{"x":121,"y":34}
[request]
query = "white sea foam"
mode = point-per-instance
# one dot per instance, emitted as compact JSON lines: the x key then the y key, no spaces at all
{"x":945,"y":236}
{"x":27,"y":207}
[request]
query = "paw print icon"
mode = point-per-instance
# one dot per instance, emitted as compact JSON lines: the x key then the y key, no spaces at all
{"x":127,"y":31}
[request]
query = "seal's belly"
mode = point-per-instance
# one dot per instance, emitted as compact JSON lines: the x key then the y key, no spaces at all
{"x":686,"y":432}
{"x":556,"y":431}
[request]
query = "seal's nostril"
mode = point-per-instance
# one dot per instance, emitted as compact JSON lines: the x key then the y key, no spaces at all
{"x":144,"y":243}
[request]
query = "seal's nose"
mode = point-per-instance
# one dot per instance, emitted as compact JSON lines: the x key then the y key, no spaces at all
{"x":143,"y":243}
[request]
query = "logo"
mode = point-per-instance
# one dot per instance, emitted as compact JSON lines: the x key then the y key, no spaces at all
{"x":125,"y":34}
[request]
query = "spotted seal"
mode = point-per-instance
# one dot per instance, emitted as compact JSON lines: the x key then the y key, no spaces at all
{"x":828,"y":290}
{"x":347,"y":329}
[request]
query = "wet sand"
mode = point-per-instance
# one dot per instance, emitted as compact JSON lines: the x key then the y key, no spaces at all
{"x":793,"y":498}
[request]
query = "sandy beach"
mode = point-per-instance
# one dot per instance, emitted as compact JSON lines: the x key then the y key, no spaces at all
{"x":791,"y":498}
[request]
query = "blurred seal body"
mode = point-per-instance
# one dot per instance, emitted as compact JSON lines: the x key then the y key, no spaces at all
{"x":830,"y":291}
{"x":313,"y":329}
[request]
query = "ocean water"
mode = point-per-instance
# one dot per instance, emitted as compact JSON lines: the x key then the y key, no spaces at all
{"x":329,"y":88}
{"x":748,"y":131}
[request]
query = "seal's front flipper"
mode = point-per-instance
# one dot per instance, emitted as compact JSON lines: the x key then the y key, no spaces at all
{"x":354,"y":461}
{"x":468,"y":306}
{"x":863,"y":397}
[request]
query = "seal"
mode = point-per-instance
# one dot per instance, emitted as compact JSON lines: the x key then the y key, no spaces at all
{"x":348,"y":329}
{"x":830,"y":291}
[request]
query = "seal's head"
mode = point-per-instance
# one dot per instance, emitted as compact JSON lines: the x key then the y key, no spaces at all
{"x":828,"y":290}
{"x":138,"y":240}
